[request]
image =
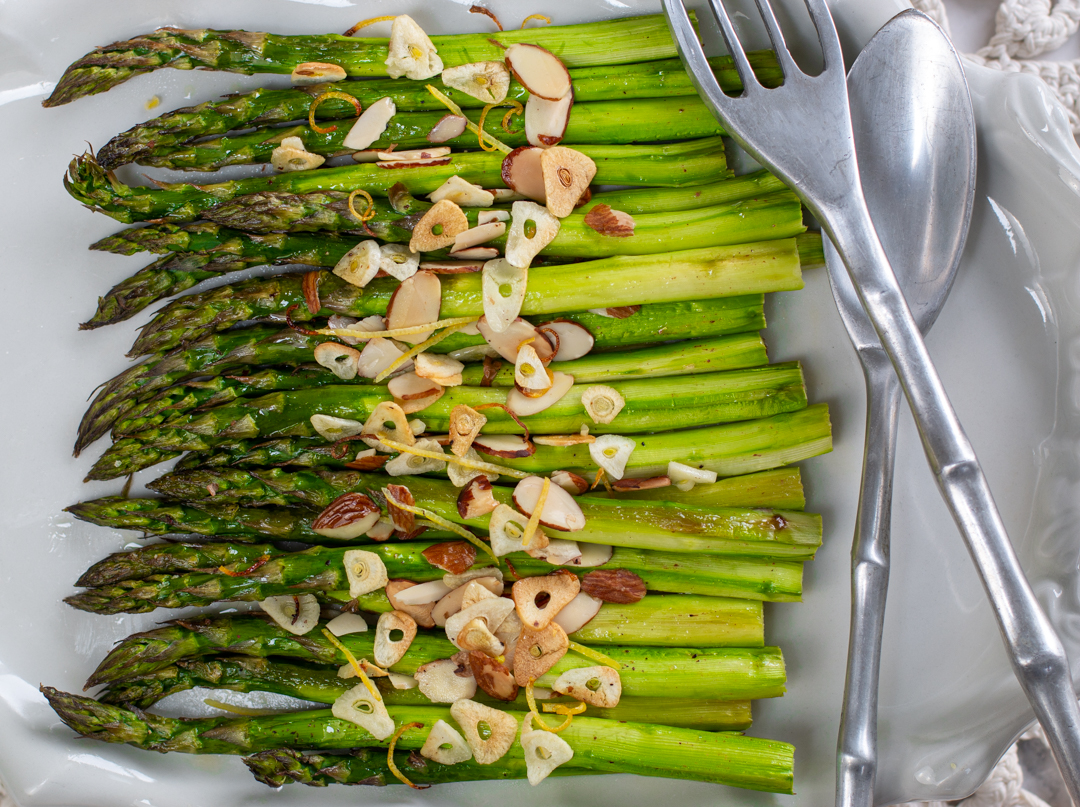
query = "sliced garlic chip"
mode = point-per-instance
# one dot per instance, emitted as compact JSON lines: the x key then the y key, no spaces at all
{"x":529,"y":371}
{"x":462,"y":193}
{"x":360,"y":264}
{"x":391,"y":413}
{"x":445,"y":681}
{"x":465,"y":424}
{"x":476,"y":635}
{"x":555,"y":591}
{"x":445,"y":745}
{"x":365,"y":570}
{"x":388,"y":649}
{"x":544,"y":752}
{"x":489,"y":732}
{"x":506,"y":529}
{"x":292,"y":155}
{"x":532,"y":228}
{"x":405,"y":464}
{"x":611,"y":452}
{"x":441,"y":369}
{"x":316,"y":73}
{"x":475,"y":592}
{"x":412,"y":53}
{"x":340,"y":360}
{"x":344,"y":624}
{"x":538,"y":651}
{"x":492,"y":611}
{"x":567,"y":174}
{"x":398,"y":261}
{"x":333,"y":429}
{"x":503,"y":286}
{"x":602,"y":403}
{"x":558,"y":552}
{"x":398,"y":681}
{"x":596,"y":686}
{"x":297,"y":614}
{"x":508,"y":633}
{"x":361,"y":707}
{"x":371,"y":124}
{"x":685,"y":476}
{"x":461,"y":475}
{"x":484,"y":81}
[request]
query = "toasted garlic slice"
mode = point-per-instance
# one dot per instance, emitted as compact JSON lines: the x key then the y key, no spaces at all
{"x":488,"y":216}
{"x":578,"y":613}
{"x":506,"y":530}
{"x":462,"y":475}
{"x":417,"y":301}
{"x":492,"y":611}
{"x":685,"y":477}
{"x":523,"y":406}
{"x":544,"y":752}
{"x":567,"y":174}
{"x":398,"y":681}
{"x":475,"y":592}
{"x":476,"y":635}
{"x":412,"y":53}
{"x":509,"y":194}
{"x":445,"y":745}
{"x":611,"y":452}
{"x":377,"y":355}
{"x":558,"y":552}
{"x":448,"y":127}
{"x":529,"y":372}
{"x":292,"y":155}
{"x":462,"y":193}
{"x":333,"y":429}
{"x":451,"y":603}
{"x":475,"y":236}
{"x":361,"y":707}
{"x":388,"y":650}
{"x":316,"y":73}
{"x":539,"y":70}
{"x":389,"y":412}
{"x":360,"y":264}
{"x":489,"y":732}
{"x":574,"y":340}
{"x":532,"y":228}
{"x":476,"y":499}
{"x":342,"y":361}
{"x":484,"y":81}
{"x":503,"y":288}
{"x":572,"y":483}
{"x":443,"y":370}
{"x":596,"y":686}
{"x":438,"y":228}
{"x":465,"y":424}
{"x":538,"y":651}
{"x":554,"y":591}
{"x":365,"y":570}
{"x":411,"y":464}
{"x":344,"y":624}
{"x":349,"y":516}
{"x":602,"y":403}
{"x":371,"y":124}
{"x":593,"y":555}
{"x":523,"y":174}
{"x":398,"y":261}
{"x":546,"y":121}
{"x":297,"y":614}
{"x":414,"y":393}
{"x":445,"y":681}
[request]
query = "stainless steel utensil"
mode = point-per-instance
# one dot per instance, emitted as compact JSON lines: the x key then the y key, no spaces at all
{"x":802,"y":132}
{"x":916,"y":153}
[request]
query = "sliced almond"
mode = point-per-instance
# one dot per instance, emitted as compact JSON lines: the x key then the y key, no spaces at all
{"x":404,"y":520}
{"x":341,"y":360}
{"x":641,"y":484}
{"x":388,"y":649}
{"x":507,"y":342}
{"x":492,"y":677}
{"x":365,"y":570}
{"x":414,"y":155}
{"x":567,"y":174}
{"x":474,"y":353}
{"x":296,"y":613}
{"x":620,"y":312}
{"x":484,"y":81}
{"x":546,"y":121}
{"x":506,"y":531}
{"x":419,"y":162}
{"x":462,"y":193}
{"x":476,"y":499}
{"x":539,"y":599}
{"x":538,"y":651}
{"x":411,"y":51}
{"x":411,"y":464}
{"x":489,"y":732}
{"x":572,"y":483}
{"x":475,"y":236}
{"x":523,"y":406}
{"x":413,"y":393}
{"x":602,"y":403}
{"x":611,"y":452}
{"x":451,"y":603}
{"x":360,"y":706}
{"x":508,"y":633}
{"x":419,"y":611}
{"x":348,"y":516}
{"x":544,"y":752}
{"x":371,"y":124}
{"x":443,"y":370}
{"x":523,"y":173}
{"x":382,"y":530}
{"x":345,"y":624}
{"x":563,"y":440}
{"x":539,"y":70}
{"x":578,"y":612}
{"x":316,"y":73}
{"x":360,"y":264}
{"x":488,"y":216}
{"x":530,"y":375}
{"x":614,"y":223}
{"x":476,"y":253}
{"x":593,"y":555}
{"x":366,"y":155}
{"x":506,"y":446}
{"x":503,"y":287}
{"x":392,"y":413}
{"x":445,"y":745}
{"x":511,"y":195}
{"x":476,"y":635}
{"x":398,"y":261}
{"x":460,"y":475}
{"x":465,"y":425}
{"x":453,"y":267}
{"x":448,"y":127}
{"x":558,"y":552}
{"x":492,"y":611}
{"x":294,"y":157}
{"x":377,"y":355}
{"x":398,"y":681}
{"x":450,"y":556}
{"x":445,"y":681}
{"x":532,"y":228}
{"x":417,"y":301}
{"x":333,"y":429}
{"x":614,"y":585}
{"x":686,"y":476}
{"x":574,"y":340}
{"x":438,"y":227}
{"x":372,"y":324}
{"x":560,"y":511}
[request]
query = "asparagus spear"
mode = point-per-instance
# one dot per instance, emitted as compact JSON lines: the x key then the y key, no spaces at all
{"x":619,"y":41}
{"x":599,"y":745}
{"x":688,"y":162}
{"x":655,"y":79}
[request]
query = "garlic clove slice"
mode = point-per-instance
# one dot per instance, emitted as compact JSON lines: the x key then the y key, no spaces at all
{"x":538,"y":651}
{"x":417,"y":301}
{"x":523,"y":406}
{"x":389,"y":412}
{"x":445,"y":681}
{"x":611,"y":452}
{"x":523,"y":174}
{"x":411,"y":464}
{"x":484,"y":81}
{"x":361,"y":707}
{"x":451,"y":603}
{"x":602,"y":403}
{"x":365,"y":571}
{"x":297,"y":614}
{"x":360,"y":264}
{"x":492,"y":745}
{"x":398,"y":261}
{"x":506,"y":531}
{"x":503,"y":288}
{"x":544,"y":752}
{"x":465,"y":425}
{"x":445,"y":745}
{"x":567,"y":174}
{"x":371,"y":124}
{"x":448,"y":127}
{"x":558,"y":552}
{"x":678,"y":473}
{"x":377,"y":355}
{"x":574,"y":340}
{"x":578,"y":612}
{"x":462,"y":193}
{"x":539,"y":70}
{"x":413,"y":155}
{"x":454,"y":267}
{"x":398,"y":681}
{"x":438,"y":227}
{"x":488,"y":216}
{"x":333,"y":429}
{"x":561,"y":511}
{"x":532,"y":228}
{"x":344,"y":624}
{"x":460,"y":475}
{"x":340,"y":360}
{"x":555,"y":591}
{"x":492,"y":611}
{"x":597,"y":686}
{"x":411,"y":52}
{"x":286,"y":158}
{"x":476,"y":635}
{"x":546,"y":121}
{"x":530,"y":375}
{"x":309,"y":73}
{"x":388,"y":651}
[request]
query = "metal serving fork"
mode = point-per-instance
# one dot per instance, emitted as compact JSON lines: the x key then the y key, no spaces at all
{"x":802,"y":132}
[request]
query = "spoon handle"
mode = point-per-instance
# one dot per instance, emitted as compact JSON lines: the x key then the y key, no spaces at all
{"x":857,"y":744}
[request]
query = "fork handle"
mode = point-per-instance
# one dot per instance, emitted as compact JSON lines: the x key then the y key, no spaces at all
{"x":857,"y":744}
{"x":1037,"y":654}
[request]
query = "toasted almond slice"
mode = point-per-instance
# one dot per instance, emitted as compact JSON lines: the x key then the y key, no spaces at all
{"x":493,"y":572}
{"x":416,"y":301}
{"x":614,"y":585}
{"x":567,"y":174}
{"x":544,"y":752}
{"x":475,"y":236}
{"x":508,"y":633}
{"x":509,"y":194}
{"x":377,"y":355}
{"x":641,"y":484}
{"x":445,"y":681}
{"x":523,"y":173}
{"x":448,"y":127}
{"x":489,"y":732}
{"x":484,"y":81}
{"x":473,"y":353}
{"x":451,"y":556}
{"x":523,"y":406}
{"x":404,"y":520}
{"x":530,"y":375}
{"x":477,"y":636}
{"x":560,"y":511}
{"x":427,"y":593}
{"x":507,"y":446}
{"x":417,"y":163}
{"x":621,"y":312}
{"x":575,"y":340}
{"x":476,"y":499}
{"x":344,"y":624}
{"x":338,"y":359}
{"x":462,"y":193}
{"x":602,"y":403}
{"x":413,"y":393}
{"x":360,"y":706}
{"x":539,"y":599}
{"x":366,"y":155}
{"x":593,"y":555}
{"x":389,"y":412}
{"x":438,"y":227}
{"x":398,"y":681}
{"x":597,"y":686}
{"x":349,"y":516}
{"x":611,"y":452}
{"x":614,"y":223}
{"x":372,"y":324}
{"x":465,"y":425}
{"x":503,"y":286}
{"x":388,"y":650}
{"x":492,"y":677}
{"x":413,"y":155}
{"x":532,"y":228}
{"x":546,"y":121}
{"x":445,"y":745}
{"x":539,"y":70}
{"x":488,"y":216}
{"x":333,"y":429}
{"x":371,"y":124}
{"x":443,"y":370}
{"x":570,"y":482}
{"x":365,"y":570}
{"x":578,"y":613}
{"x":411,"y":51}
{"x":506,"y":530}
{"x":419,"y":611}
{"x":286,"y":158}
{"x":507,"y":342}
{"x":360,"y":264}
{"x":451,"y":603}
{"x":297,"y":614}
{"x":538,"y":651}
{"x":411,"y":464}
{"x":453,"y":267}
{"x":563,"y":440}
{"x":558,"y":552}
{"x":316,"y":73}
{"x":398,"y":261}
{"x":382,"y":530}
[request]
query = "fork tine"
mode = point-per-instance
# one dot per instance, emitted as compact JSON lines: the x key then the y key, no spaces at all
{"x":783,"y":55}
{"x":697,"y":65}
{"x":734,"y":46}
{"x":826,"y":29}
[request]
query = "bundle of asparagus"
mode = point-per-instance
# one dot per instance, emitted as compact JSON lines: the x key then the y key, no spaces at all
{"x":521,"y":321}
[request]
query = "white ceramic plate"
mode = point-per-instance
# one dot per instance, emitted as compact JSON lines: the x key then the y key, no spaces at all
{"x":1007,"y":344}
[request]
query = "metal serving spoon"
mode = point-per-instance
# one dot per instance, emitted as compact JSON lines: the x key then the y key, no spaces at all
{"x":915,"y":139}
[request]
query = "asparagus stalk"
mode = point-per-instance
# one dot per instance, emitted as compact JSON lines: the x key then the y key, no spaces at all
{"x":599,"y":745}
{"x":655,"y":79}
{"x":611,"y":42}
{"x":696,"y":274}
{"x":683,"y":163}
{"x":216,"y":354}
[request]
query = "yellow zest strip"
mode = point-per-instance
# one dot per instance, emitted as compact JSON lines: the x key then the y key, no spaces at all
{"x":595,"y":655}
{"x":544,"y":17}
{"x":390,"y":756}
{"x":363,"y":676}
{"x":247,"y":711}
{"x":565,"y":708}
{"x":480,"y":126}
{"x":372,"y":21}
{"x":517,"y":110}
{"x":534,"y":519}
{"x":326,"y":96}
{"x":368,"y":214}
{"x":434,"y":518}
{"x":420,"y":348}
{"x":472,"y":465}
{"x":531,"y":700}
{"x":472,"y":127}
{"x":395,"y":333}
